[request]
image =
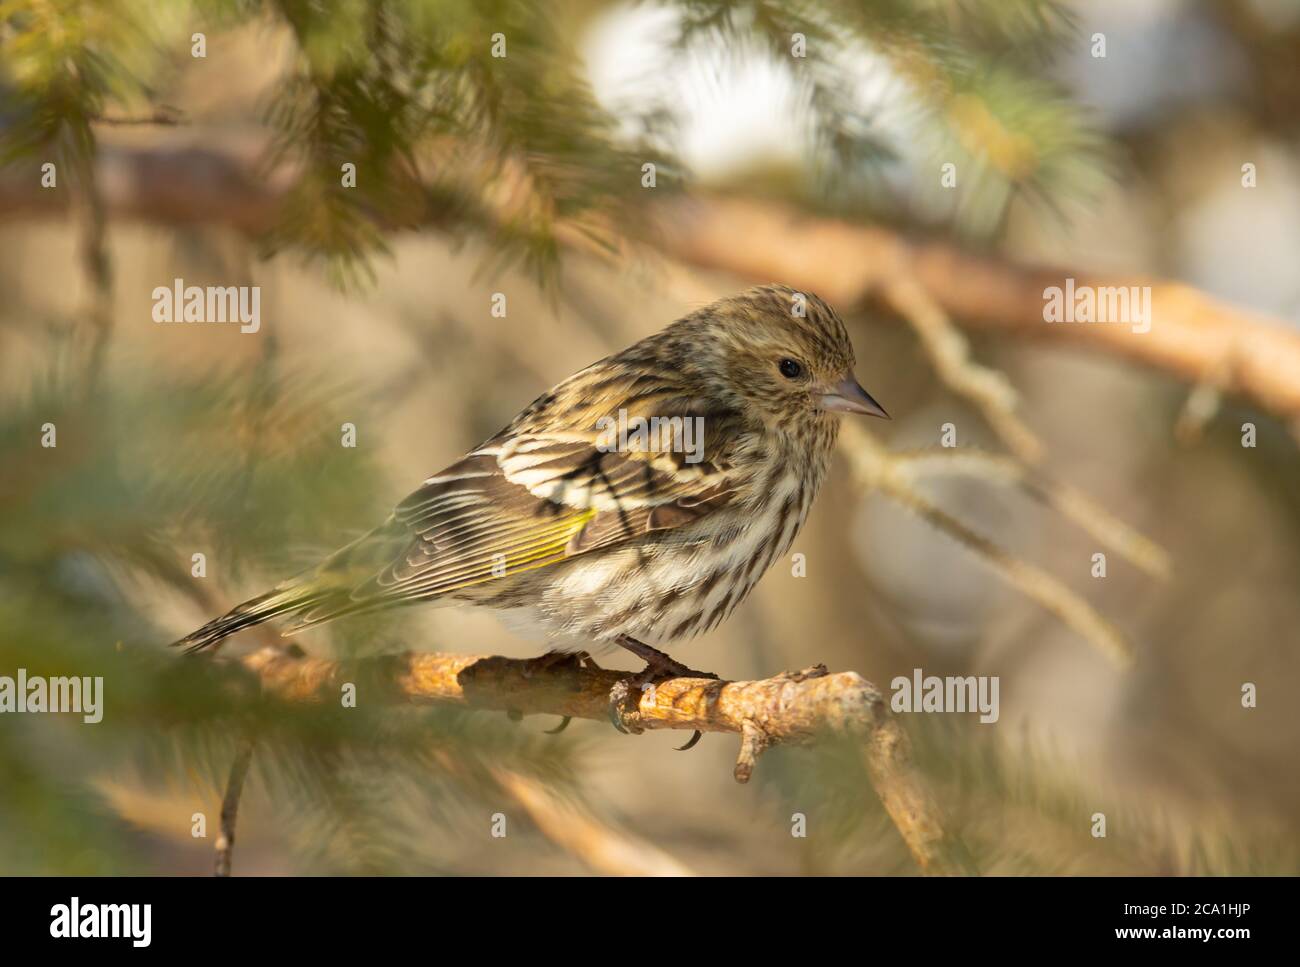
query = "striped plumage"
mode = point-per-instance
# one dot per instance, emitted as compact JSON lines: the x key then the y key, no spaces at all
{"x":549,"y":525}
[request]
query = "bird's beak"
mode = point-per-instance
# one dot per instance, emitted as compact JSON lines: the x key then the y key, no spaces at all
{"x":846,"y":396}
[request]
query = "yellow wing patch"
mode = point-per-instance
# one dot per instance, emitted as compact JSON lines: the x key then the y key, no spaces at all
{"x":535,"y":548}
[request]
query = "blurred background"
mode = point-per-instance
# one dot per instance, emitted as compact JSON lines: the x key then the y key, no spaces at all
{"x":206,"y":141}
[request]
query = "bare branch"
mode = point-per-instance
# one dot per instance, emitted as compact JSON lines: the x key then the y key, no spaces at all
{"x":793,"y":707}
{"x":1192,"y":336}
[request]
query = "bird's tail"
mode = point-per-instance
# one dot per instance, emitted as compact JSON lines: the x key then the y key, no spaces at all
{"x":315,"y":596}
{"x":285,"y":599}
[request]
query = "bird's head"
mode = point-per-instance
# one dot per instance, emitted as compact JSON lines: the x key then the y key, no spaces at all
{"x":784,"y":353}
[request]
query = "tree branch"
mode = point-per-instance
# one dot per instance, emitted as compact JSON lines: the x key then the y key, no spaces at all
{"x":793,"y":707}
{"x":1192,"y":337}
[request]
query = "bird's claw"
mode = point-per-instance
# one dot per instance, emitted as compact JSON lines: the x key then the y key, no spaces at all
{"x":622,"y":692}
{"x":618,"y":696}
{"x":564,"y":724}
{"x":690,"y":743}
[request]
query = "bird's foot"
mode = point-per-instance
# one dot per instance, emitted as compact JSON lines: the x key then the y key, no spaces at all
{"x":553,"y":659}
{"x":626,"y":694}
{"x":662,"y":664}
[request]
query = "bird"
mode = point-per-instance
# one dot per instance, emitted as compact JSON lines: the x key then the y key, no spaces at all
{"x":636,"y":503}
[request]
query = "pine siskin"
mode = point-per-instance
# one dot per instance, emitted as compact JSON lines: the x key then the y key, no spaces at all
{"x":641,"y":498}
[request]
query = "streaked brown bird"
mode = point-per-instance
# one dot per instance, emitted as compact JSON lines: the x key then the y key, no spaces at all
{"x":638,"y":501}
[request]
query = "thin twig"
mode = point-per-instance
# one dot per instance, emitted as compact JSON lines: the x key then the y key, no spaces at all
{"x":877,"y":470}
{"x":1203,"y":403}
{"x":1069,"y":501}
{"x":230,"y":805}
{"x":949,"y":353}
{"x":96,"y":264}
{"x":165,"y":115}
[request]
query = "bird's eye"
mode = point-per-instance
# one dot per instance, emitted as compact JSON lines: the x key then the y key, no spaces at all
{"x":789,"y":368}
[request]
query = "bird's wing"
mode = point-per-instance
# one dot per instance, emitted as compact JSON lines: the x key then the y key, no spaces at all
{"x":525,"y":500}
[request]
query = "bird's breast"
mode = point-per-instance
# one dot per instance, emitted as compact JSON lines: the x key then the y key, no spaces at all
{"x":671,"y":586}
